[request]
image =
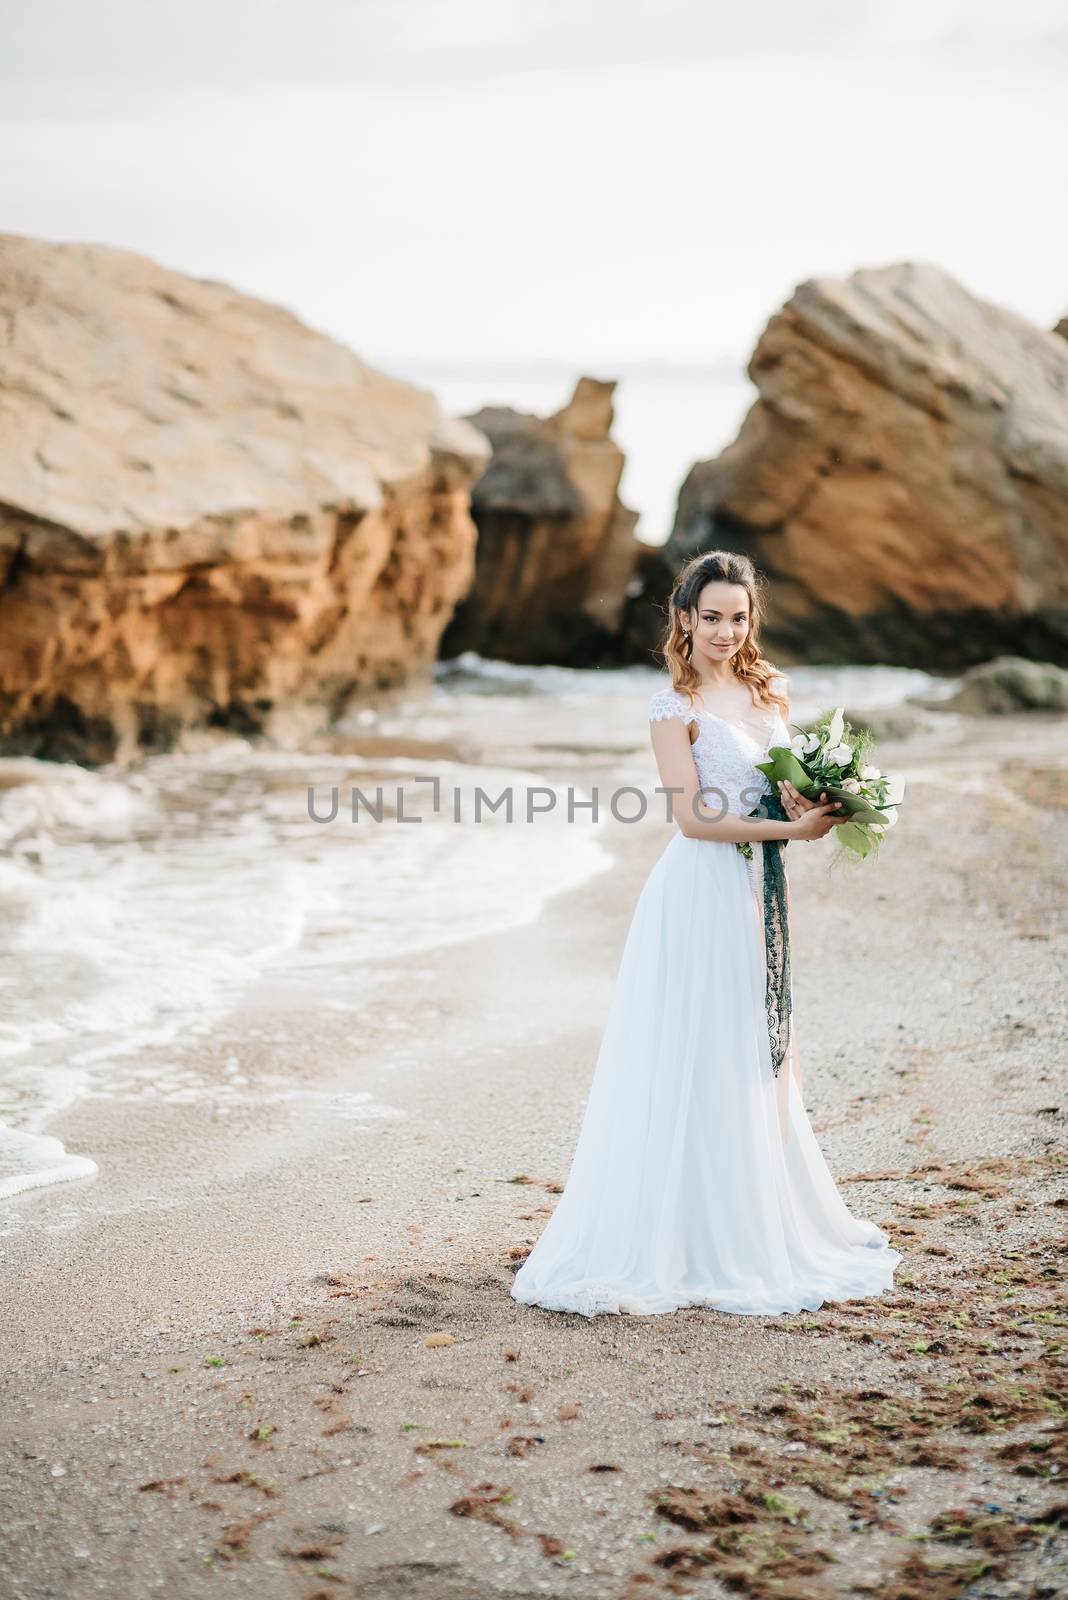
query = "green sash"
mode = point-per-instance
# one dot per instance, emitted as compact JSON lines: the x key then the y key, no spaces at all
{"x":777,"y":999}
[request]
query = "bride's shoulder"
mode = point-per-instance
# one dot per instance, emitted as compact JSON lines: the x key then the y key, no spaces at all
{"x":668,"y":702}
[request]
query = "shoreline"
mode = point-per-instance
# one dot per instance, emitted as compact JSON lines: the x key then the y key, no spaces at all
{"x":366,"y":1082}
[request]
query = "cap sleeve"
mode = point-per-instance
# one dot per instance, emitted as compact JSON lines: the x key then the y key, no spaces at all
{"x":669,"y":703}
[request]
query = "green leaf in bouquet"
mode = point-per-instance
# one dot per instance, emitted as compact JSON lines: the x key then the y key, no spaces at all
{"x":853,"y":836}
{"x":782,"y":763}
{"x":854,"y":805}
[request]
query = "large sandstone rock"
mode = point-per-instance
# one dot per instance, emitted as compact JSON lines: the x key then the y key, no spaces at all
{"x":556,"y":547}
{"x":1008,"y":685}
{"x":902,"y":479}
{"x":209,"y":513}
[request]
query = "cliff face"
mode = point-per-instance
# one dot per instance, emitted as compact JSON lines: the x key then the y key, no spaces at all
{"x":902,"y":479}
{"x":556,"y":547}
{"x":209,"y":513}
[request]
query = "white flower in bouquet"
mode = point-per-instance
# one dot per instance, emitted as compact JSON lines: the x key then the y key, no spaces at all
{"x":840,"y":755}
{"x":803,"y":744}
{"x":895,"y":790}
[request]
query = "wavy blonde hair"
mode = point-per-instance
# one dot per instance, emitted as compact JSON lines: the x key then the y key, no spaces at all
{"x":676,"y":647}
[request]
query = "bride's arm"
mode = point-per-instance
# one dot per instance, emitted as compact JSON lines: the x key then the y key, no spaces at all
{"x":674,"y":760}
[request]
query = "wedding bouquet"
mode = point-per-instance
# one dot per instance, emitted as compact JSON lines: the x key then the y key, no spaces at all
{"x":830,"y":757}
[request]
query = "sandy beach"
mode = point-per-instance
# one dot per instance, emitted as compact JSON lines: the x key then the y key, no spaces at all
{"x":237,"y":1390}
{"x":396,"y":400}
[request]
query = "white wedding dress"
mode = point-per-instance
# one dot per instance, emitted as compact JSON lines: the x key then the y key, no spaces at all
{"x":697,"y":1178}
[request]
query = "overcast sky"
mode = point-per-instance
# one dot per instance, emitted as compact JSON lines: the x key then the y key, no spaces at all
{"x":590,"y":180}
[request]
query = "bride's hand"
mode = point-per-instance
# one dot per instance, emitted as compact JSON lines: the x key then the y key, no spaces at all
{"x":813,"y":818}
{"x":794,"y":803}
{"x":816,"y":821}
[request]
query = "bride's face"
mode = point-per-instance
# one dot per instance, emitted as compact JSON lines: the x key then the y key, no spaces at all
{"x":721,"y":622}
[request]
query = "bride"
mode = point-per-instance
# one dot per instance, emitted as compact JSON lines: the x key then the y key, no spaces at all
{"x":697,"y":1178}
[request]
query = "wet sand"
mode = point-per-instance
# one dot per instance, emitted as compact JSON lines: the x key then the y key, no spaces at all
{"x":232,"y":1390}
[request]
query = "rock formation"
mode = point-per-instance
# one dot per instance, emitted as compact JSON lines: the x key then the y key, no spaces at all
{"x":1008,"y":685}
{"x":209,"y":513}
{"x":556,"y":547}
{"x":902,"y":479}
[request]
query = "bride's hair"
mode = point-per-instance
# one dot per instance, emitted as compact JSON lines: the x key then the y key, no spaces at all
{"x":748,"y":665}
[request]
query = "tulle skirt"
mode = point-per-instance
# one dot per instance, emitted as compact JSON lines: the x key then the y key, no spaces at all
{"x":697,"y":1178}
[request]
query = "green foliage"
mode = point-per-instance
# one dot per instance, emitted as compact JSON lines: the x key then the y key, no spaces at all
{"x":814,"y":773}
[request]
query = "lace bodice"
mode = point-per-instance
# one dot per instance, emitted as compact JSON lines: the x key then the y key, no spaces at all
{"x":724,"y":752}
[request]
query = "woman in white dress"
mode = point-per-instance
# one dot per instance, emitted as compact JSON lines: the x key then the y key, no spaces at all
{"x":697,"y":1178}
